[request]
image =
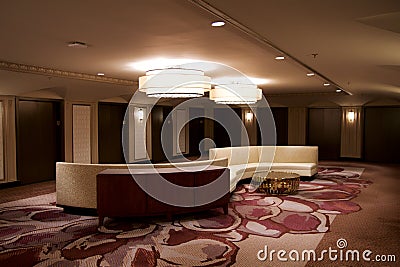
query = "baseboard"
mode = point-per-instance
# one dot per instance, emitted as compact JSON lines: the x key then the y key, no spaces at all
{"x":78,"y":210}
{"x":10,"y":184}
{"x":351,"y":159}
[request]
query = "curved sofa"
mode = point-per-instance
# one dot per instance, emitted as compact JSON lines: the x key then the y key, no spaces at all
{"x":76,"y":182}
{"x":244,"y":161}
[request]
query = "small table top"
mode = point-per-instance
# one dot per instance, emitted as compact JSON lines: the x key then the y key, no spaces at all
{"x":275,"y":175}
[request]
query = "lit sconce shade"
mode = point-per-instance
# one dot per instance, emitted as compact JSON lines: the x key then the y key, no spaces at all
{"x":174,"y":83}
{"x":139,"y":114}
{"x":351,"y":116}
{"x":236,"y":93}
{"x":249,"y":116}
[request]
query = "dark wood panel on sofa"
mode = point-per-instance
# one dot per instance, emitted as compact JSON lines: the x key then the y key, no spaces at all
{"x":118,"y":194}
{"x":381,"y":134}
{"x":178,"y":178}
{"x":324,"y":131}
{"x":117,"y":200}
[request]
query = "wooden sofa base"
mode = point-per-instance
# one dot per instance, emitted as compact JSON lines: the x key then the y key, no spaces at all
{"x":118,"y":195}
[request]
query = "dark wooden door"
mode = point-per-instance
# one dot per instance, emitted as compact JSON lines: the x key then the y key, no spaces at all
{"x":231,"y":134}
{"x":111,"y":117}
{"x":281,"y":125}
{"x":160,"y":149}
{"x":382,"y":134}
{"x":324,"y":131}
{"x":39,"y":140}
{"x":196,"y":131}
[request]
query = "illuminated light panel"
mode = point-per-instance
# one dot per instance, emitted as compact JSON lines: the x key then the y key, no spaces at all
{"x":218,"y":24}
{"x":236,"y":93}
{"x":160,"y":63}
{"x":174,"y":83}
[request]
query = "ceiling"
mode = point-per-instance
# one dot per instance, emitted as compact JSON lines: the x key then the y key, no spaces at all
{"x":355,"y":45}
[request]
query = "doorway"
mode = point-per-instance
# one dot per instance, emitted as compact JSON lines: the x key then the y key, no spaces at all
{"x":39,"y":139}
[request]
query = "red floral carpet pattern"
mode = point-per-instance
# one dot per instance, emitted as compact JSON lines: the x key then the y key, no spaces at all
{"x":42,"y":235}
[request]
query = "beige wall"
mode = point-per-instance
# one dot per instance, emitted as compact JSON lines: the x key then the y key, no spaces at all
{"x":68,"y":136}
{"x":251,"y":127}
{"x":9,"y":138}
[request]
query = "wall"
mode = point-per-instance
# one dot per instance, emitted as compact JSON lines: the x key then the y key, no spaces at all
{"x":111,"y":118}
{"x":9,"y":140}
{"x":382,"y":134}
{"x":39,"y":132}
{"x":324,"y":131}
{"x":297,"y":126}
{"x":351,"y":132}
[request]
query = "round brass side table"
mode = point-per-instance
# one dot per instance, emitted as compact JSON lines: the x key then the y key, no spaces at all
{"x":277,"y":183}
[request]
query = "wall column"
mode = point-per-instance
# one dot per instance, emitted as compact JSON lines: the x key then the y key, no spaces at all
{"x":297,"y":126}
{"x":68,"y":130}
{"x":250,"y":123}
{"x":351,"y":134}
{"x":9,"y":139}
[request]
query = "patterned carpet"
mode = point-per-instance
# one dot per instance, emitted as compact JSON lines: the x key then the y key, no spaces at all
{"x":35,"y":232}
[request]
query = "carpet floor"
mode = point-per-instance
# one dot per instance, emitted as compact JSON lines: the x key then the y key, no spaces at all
{"x":33,"y":231}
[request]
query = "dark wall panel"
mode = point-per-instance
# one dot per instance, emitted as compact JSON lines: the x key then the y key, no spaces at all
{"x":281,"y":126}
{"x":382,"y":134}
{"x":111,"y":117}
{"x":324,"y":131}
{"x":196,"y":130}
{"x":39,"y":140}
{"x":231,"y":119}
{"x":159,"y":115}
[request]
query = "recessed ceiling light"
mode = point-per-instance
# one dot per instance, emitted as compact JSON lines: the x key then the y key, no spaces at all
{"x":338,"y":90}
{"x":100,"y":74}
{"x":327,"y":84}
{"x":280,"y":58}
{"x":76,"y":44}
{"x":218,"y":23}
{"x":310,"y":74}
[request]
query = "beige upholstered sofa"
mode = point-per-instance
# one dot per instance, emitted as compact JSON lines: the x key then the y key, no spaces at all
{"x":244,"y":161}
{"x":76,"y":182}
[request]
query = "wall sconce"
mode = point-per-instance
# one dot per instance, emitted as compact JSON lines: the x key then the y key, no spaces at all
{"x":140,"y":114}
{"x":351,"y":116}
{"x":249,"y":116}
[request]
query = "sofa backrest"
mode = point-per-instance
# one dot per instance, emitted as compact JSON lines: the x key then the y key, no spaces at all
{"x":296,"y":154}
{"x":235,"y":155}
{"x":254,"y":154}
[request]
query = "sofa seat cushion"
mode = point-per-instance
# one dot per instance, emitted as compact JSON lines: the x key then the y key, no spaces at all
{"x":291,"y":166}
{"x":268,"y":166}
